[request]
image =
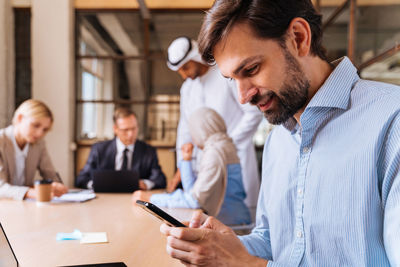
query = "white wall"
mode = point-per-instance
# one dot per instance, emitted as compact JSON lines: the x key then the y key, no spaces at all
{"x":6,"y":63}
{"x":53,"y":76}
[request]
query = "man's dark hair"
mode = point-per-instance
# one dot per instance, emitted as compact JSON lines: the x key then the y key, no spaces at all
{"x":268,"y":19}
{"x":122,"y":112}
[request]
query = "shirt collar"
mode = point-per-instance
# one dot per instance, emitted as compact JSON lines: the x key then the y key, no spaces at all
{"x":334,"y":93}
{"x":121,"y":147}
{"x":17,"y":149}
{"x":291,"y":125}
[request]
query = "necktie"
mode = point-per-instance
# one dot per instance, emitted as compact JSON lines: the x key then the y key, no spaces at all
{"x":125,"y":160}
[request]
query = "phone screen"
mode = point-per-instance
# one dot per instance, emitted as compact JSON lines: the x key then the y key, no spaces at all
{"x":159,"y":213}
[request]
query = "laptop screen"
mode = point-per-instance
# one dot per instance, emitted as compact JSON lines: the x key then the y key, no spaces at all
{"x":7,"y":257}
{"x":112,"y":181}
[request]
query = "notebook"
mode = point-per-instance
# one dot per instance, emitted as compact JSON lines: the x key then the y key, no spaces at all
{"x":111,"y":181}
{"x":8,"y":258}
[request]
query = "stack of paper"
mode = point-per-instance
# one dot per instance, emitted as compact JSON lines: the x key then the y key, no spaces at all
{"x":96,"y":237}
{"x":79,"y":196}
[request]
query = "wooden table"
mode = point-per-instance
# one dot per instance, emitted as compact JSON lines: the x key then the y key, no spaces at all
{"x":133,"y":235}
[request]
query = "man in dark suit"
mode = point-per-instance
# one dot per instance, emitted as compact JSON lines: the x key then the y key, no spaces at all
{"x":124,"y":152}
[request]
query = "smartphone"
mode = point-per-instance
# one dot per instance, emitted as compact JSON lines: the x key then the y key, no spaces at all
{"x":159,"y":213}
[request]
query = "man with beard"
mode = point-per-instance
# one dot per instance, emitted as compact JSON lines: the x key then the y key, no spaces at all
{"x":204,"y":86}
{"x":330,"y":187}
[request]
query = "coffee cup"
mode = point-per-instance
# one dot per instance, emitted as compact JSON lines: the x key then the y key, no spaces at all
{"x":43,"y":191}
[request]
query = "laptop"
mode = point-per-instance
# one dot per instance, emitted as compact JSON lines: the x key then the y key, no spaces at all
{"x":8,"y":258}
{"x":111,"y":181}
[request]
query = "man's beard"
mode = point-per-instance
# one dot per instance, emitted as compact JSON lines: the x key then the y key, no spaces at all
{"x":196,"y":73}
{"x":292,"y":96}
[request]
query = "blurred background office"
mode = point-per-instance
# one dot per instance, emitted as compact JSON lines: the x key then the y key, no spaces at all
{"x":84,"y":58}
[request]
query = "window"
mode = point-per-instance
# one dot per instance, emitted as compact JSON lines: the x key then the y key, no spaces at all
{"x":121,"y":61}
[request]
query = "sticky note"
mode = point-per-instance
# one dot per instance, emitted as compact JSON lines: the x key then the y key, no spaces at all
{"x":75,"y":235}
{"x":96,"y":237}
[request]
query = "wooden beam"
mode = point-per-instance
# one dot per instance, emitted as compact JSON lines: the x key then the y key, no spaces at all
{"x":380,"y":57}
{"x":144,"y":11}
{"x":151,"y":4}
{"x":105,"y":4}
{"x":335,"y":14}
{"x":352,"y":31}
{"x":184,"y":4}
{"x":317,"y":4}
{"x":21,"y":3}
{"x":151,"y":56}
{"x":328,"y":3}
{"x":181,"y":4}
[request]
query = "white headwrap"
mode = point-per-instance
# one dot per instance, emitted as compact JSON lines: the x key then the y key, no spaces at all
{"x":180,"y":51}
{"x":208,"y":130}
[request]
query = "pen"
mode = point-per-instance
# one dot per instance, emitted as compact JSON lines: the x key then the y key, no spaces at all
{"x":59,"y":178}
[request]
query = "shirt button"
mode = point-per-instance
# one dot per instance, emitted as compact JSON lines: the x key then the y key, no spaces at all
{"x":306,"y":149}
{"x":300,"y":192}
{"x":299,"y":234}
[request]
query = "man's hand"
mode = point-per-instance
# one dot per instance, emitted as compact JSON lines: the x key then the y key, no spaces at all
{"x":198,"y":219}
{"x":187,"y":150}
{"x":58,"y":189}
{"x":141,"y":195}
{"x":173,"y":183}
{"x":213,"y":244}
{"x":31,"y":193}
{"x":142,"y":185}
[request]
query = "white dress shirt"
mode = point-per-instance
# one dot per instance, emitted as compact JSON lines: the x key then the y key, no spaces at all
{"x":119,"y":157}
{"x":20,"y":158}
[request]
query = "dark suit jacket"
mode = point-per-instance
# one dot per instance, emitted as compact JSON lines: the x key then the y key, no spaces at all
{"x":102,"y":157}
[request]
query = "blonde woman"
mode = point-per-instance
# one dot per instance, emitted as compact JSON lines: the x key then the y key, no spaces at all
{"x":23,"y":151}
{"x":218,"y":188}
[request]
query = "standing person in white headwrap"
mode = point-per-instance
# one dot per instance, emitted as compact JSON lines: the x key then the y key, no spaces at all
{"x":205,"y":86}
{"x":218,"y":187}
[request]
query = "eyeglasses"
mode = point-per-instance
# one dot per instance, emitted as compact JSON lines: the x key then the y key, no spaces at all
{"x":127,"y":130}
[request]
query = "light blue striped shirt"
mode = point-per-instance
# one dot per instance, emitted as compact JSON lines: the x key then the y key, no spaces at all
{"x":330,"y":193}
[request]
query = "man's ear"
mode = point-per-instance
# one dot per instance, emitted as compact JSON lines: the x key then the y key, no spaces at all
{"x":115,"y":128}
{"x":299,"y":36}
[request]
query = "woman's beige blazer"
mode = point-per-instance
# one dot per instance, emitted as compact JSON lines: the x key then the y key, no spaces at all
{"x":37,"y":159}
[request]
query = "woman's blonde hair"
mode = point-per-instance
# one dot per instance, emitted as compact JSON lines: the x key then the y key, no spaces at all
{"x":34,"y":109}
